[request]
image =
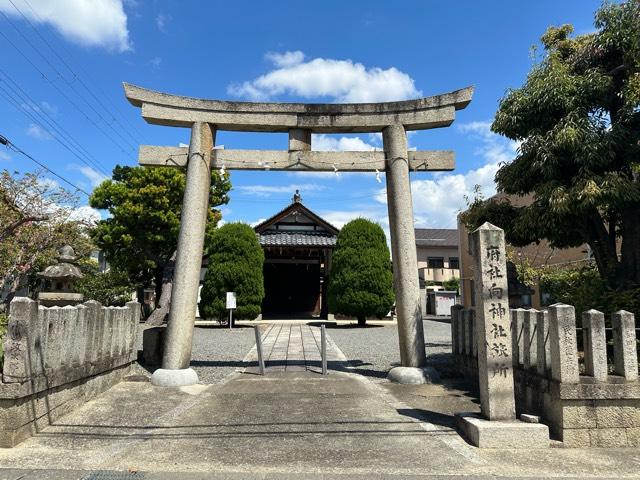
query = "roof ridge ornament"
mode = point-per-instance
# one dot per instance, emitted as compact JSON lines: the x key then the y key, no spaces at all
{"x":297,"y":198}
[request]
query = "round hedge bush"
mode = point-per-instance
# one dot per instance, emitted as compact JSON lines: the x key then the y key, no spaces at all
{"x":235,"y":265}
{"x":361,"y":279}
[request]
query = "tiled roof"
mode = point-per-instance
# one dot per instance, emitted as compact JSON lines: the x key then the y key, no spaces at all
{"x":294,"y":238}
{"x":295,"y":206}
{"x":437,"y":237}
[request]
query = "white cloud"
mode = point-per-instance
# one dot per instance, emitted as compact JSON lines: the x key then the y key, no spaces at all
{"x":257,"y":222}
{"x":493,"y":148}
{"x":286,"y":59}
{"x":437,"y":201}
{"x":86,"y":214}
{"x":4,"y":156}
{"x":161,"y":21}
{"x":268,"y":190}
{"x":340,"y":80}
{"x":95,"y":177}
{"x":93,"y":23}
{"x":328,"y":143}
{"x":375,"y":213}
{"x":338,"y":218}
{"x":37,"y":132}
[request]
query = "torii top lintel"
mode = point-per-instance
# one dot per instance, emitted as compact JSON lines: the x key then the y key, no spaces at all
{"x":418,"y":114}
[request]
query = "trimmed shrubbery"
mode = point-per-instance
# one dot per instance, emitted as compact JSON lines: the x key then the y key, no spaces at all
{"x":235,"y":265}
{"x":361,"y":280}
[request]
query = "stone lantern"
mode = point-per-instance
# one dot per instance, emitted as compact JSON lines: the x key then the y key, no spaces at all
{"x":58,"y":281}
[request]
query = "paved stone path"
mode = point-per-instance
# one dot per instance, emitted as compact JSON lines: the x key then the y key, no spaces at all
{"x":292,"y":348}
{"x":281,"y":425}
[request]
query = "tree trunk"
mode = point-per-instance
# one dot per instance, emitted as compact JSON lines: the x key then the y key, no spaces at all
{"x":362,"y":321}
{"x":161,"y":312}
{"x":603,"y":249}
{"x":163,"y":300}
{"x":629,"y":271}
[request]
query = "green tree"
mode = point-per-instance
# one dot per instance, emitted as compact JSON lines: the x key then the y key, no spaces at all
{"x":141,"y":235}
{"x":578,"y":120}
{"x":453,"y":284}
{"x":37,"y":217}
{"x":110,"y":288}
{"x":361,"y":280}
{"x":235,"y":265}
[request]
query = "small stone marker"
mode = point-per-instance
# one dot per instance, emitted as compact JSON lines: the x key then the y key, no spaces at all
{"x":493,"y":323}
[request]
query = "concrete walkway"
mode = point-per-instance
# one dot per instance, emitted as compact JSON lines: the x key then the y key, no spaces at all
{"x":292,"y":347}
{"x":291,"y":423}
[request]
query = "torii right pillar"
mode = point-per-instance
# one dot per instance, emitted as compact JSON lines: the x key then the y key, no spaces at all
{"x":405,"y":262}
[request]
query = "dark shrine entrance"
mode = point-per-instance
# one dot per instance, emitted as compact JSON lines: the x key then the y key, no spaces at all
{"x":297,"y":245}
{"x":292,"y":289}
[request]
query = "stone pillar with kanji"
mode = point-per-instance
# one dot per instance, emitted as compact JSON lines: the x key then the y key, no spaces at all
{"x":493,"y":324}
{"x":496,"y":426}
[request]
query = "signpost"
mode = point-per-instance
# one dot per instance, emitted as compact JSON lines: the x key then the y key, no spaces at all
{"x":231,"y":304}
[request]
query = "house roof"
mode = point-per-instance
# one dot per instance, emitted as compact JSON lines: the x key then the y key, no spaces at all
{"x":296,"y":238}
{"x":437,"y":237}
{"x":287,"y":235}
{"x":299,"y":207}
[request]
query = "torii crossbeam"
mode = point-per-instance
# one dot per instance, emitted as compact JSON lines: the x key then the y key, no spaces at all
{"x":300,"y":120}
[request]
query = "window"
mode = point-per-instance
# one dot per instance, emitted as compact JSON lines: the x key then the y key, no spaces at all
{"x":454,"y":263}
{"x":435,"y":262}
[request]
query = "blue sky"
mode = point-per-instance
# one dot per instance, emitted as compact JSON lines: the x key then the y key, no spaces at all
{"x":72,"y":51}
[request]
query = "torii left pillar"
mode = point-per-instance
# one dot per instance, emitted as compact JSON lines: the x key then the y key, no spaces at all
{"x":405,"y":263}
{"x":175,"y":369}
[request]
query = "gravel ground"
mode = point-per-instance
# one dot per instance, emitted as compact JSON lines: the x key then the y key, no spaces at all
{"x":217,"y":352}
{"x":372,"y":351}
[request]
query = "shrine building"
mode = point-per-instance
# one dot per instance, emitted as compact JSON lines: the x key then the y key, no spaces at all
{"x":297,"y":246}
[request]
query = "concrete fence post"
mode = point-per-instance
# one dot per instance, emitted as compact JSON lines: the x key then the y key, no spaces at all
{"x":529,"y":339}
{"x":53,"y":355}
{"x":543,"y":345}
{"x":517,"y":329}
{"x":20,"y":329}
{"x":454,"y":327}
{"x":94,"y":310}
{"x":595,"y":345}
{"x":468,"y":332}
{"x":564,"y":347}
{"x":461,"y":331}
{"x":624,"y":345}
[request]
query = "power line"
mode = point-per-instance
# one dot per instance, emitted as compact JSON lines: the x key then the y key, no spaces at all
{"x":29,"y":105}
{"x":12,"y":146}
{"x":55,"y":69}
{"x":78,"y":77}
{"x":74,"y":104}
{"x":27,"y":111}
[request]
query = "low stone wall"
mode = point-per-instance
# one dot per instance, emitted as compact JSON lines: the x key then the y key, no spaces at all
{"x":57,"y":358}
{"x":594,"y":404}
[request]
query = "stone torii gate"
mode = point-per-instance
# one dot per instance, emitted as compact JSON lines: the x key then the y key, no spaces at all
{"x":300,"y":120}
